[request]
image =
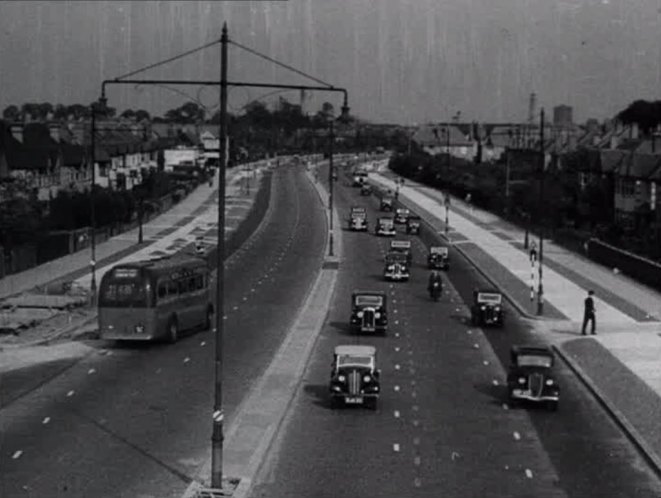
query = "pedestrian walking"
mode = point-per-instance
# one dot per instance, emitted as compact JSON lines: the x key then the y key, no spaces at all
{"x":589,"y":314}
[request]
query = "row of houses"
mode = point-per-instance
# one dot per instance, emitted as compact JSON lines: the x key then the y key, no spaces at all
{"x":50,"y":157}
{"x":618,"y":158}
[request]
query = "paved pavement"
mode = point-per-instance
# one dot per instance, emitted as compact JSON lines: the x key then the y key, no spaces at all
{"x":621,"y":363}
{"x":165,"y":233}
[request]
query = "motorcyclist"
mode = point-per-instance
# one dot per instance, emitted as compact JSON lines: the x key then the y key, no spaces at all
{"x":434,"y":277}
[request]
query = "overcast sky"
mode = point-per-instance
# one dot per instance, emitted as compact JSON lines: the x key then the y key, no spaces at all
{"x":402,"y":61}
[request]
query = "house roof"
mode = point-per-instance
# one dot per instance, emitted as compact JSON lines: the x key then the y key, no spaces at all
{"x":639,"y":166}
{"x":610,"y":160}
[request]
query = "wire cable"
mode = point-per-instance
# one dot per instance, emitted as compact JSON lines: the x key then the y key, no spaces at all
{"x":166,"y":61}
{"x":286,"y":66}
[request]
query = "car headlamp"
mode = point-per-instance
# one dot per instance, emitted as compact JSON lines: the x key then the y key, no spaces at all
{"x":377,"y":315}
{"x":367,"y":378}
{"x":549,"y":382}
{"x":360,"y":314}
{"x":341,"y":378}
{"x":522,"y":380}
{"x":483,"y":307}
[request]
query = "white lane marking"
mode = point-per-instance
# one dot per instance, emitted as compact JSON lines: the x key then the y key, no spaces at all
{"x":396,"y":388}
{"x":517,"y":436}
{"x":413,"y":383}
{"x":415,"y":408}
{"x":411,"y":371}
{"x":397,"y":349}
{"x":245,"y":298}
{"x":395,"y":447}
{"x":416,"y":460}
{"x":414,"y":394}
{"x":396,"y":321}
{"x":396,"y":334}
{"x":415,"y":423}
{"x":529,"y":473}
{"x":416,"y":441}
{"x":187,"y":359}
{"x":476,"y":346}
{"x":396,"y":413}
{"x":91,"y":371}
{"x":234,"y":308}
{"x":495,"y":382}
{"x":454,"y":455}
{"x":69,"y":394}
{"x":158,"y":370}
{"x":45,"y":420}
{"x":252,"y":290}
{"x":396,"y":367}
{"x":469,"y":331}
{"x":417,"y":482}
{"x":506,"y":406}
{"x":17,"y":455}
{"x":203,"y":343}
{"x":395,"y":311}
{"x":485,"y":362}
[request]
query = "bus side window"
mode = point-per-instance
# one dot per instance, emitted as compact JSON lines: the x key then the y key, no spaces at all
{"x":172,"y":289}
{"x":192,"y":287}
{"x":199,"y":282}
{"x":182,"y":285}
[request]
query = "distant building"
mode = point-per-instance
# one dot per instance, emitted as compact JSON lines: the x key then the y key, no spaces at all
{"x":563,"y":116}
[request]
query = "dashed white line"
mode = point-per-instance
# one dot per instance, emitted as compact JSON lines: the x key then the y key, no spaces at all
{"x":397,"y":367}
{"x":529,"y":473}
{"x":469,"y":331}
{"x":396,"y":322}
{"x":415,"y":408}
{"x":203,"y":343}
{"x":417,"y":460}
{"x":396,"y":334}
{"x":517,"y":436}
{"x":17,"y":454}
{"x":417,"y":482}
{"x":416,"y":441}
{"x":415,"y":423}
{"x":506,"y":406}
{"x":396,"y":413}
{"x":397,"y":349}
{"x":69,"y":394}
{"x":476,"y":346}
{"x":414,"y":394}
{"x":91,"y":371}
{"x":187,"y":359}
{"x":45,"y":420}
{"x":395,"y":447}
{"x":396,"y":388}
{"x":485,"y":362}
{"x":495,"y":382}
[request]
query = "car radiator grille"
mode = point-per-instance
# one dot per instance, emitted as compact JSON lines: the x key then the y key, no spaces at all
{"x":354,"y":383}
{"x":368,"y":317}
{"x":535,"y":384}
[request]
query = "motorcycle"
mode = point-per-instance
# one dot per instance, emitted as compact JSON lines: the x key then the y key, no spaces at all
{"x":435,"y":291}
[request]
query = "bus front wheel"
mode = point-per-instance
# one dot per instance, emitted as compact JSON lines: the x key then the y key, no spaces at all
{"x":173,"y":330}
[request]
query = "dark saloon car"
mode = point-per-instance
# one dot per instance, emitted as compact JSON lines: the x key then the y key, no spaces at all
{"x":413,"y":224}
{"x":438,"y":258}
{"x":366,"y":189}
{"x":354,"y":376}
{"x":358,"y":219}
{"x":386,"y":204}
{"x":397,"y":267}
{"x":401,"y":215}
{"x":487,"y":307}
{"x":369,"y":312}
{"x":530,"y":376}
{"x":404,"y":247}
{"x":385,"y":227}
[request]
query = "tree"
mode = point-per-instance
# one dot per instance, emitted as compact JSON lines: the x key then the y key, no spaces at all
{"x":142,"y":115}
{"x":647,"y":115}
{"x":128,"y":114}
{"x":11,"y":113}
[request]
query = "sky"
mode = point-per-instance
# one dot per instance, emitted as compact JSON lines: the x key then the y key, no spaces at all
{"x":402,"y":61}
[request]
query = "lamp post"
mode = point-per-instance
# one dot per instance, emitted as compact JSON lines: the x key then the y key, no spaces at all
{"x":540,"y":289}
{"x":331,"y":180}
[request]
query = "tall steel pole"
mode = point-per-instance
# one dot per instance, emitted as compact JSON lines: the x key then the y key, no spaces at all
{"x":217,"y":435}
{"x":92,"y":207}
{"x":330,"y":188}
{"x":540,"y":289}
{"x":447,"y":172}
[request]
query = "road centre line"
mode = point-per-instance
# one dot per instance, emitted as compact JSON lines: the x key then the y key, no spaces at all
{"x":69,"y":394}
{"x":416,"y":441}
{"x":395,"y":447}
{"x":45,"y":420}
{"x":529,"y":473}
{"x":396,"y":413}
{"x":396,"y":388}
{"x":17,"y":454}
{"x":517,"y":436}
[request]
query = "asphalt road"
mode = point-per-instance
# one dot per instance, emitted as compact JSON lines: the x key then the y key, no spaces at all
{"x":135,"y":420}
{"x":442,"y":427}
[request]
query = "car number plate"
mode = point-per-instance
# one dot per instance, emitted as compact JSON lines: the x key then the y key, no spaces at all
{"x":353,"y":401}
{"x":522,"y":392}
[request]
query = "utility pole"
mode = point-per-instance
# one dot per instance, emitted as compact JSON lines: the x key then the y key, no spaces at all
{"x":217,"y":433}
{"x":92,"y":207}
{"x":540,"y":289}
{"x":447,"y":172}
{"x":330,"y":187}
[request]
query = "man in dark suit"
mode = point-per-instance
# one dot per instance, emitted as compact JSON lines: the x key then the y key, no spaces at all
{"x":589,"y":313}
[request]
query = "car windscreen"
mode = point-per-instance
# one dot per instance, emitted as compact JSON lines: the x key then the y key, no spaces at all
{"x":369,"y":300}
{"x":386,"y":222}
{"x":530,"y":360}
{"x":441,"y":251}
{"x":395,"y":257}
{"x":358,"y":214}
{"x":403,"y":211}
{"x":362,"y":361}
{"x":489,"y":298}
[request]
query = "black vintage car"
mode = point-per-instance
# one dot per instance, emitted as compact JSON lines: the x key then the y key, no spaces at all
{"x":386,"y":204}
{"x":354,"y":378}
{"x":487,"y":307}
{"x":413,"y":224}
{"x":358,"y":219}
{"x":438,"y":258}
{"x":366,"y":189}
{"x":385,"y":227}
{"x":530,"y":376}
{"x":397,"y":267}
{"x":369,"y":312}
{"x":404,"y":247}
{"x":401,"y":215}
